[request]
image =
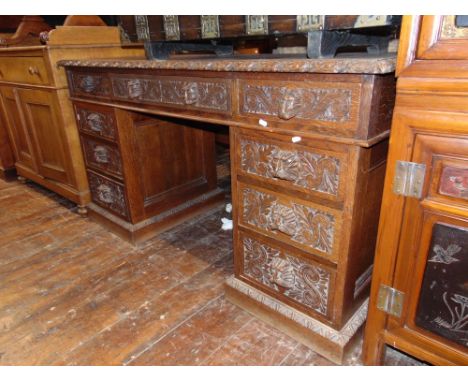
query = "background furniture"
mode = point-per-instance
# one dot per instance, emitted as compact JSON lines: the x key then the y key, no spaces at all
{"x":37,"y":112}
{"x":419,"y":297}
{"x":308,"y":151}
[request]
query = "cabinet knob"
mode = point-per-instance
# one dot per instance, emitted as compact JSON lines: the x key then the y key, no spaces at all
{"x":191,"y":94}
{"x":33,"y":70}
{"x":290,"y":104}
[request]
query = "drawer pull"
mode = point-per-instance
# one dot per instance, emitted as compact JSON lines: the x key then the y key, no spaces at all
{"x":101,"y":154}
{"x":95,"y":122}
{"x":191,"y":94}
{"x":290,"y":104}
{"x":105,"y":194}
{"x":33,"y":70}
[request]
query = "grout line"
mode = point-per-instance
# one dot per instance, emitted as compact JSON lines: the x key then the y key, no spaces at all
{"x":153,"y":343}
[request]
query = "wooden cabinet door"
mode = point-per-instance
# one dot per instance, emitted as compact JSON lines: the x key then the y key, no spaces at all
{"x":431,"y":254}
{"x":21,"y":143}
{"x":43,"y":123}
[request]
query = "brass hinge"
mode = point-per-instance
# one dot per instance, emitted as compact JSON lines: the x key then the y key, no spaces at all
{"x":409,"y":179}
{"x":390,"y":300}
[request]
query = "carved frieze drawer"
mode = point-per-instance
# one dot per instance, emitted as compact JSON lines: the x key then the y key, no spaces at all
{"x":327,"y":104}
{"x":90,"y":85}
{"x":304,"y":284}
{"x":213,"y":95}
{"x":100,"y":122}
{"x":294,"y":166}
{"x":108,"y":194}
{"x":102,"y":156}
{"x":305,"y":225}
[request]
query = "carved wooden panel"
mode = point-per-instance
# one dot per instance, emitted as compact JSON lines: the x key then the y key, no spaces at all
{"x":301,"y":224}
{"x":102,"y":156}
{"x":90,"y":84}
{"x":306,"y":169}
{"x":281,"y":272}
{"x":443,"y":301}
{"x":97,"y":122}
{"x":189,"y":92}
{"x":454,"y":182}
{"x":317,"y":102}
{"x":108,"y":194}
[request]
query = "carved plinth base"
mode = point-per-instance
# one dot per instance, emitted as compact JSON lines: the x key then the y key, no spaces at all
{"x":141,"y":231}
{"x":328,"y":342}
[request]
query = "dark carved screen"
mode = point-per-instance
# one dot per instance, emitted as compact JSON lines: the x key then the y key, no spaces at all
{"x":443,"y":302}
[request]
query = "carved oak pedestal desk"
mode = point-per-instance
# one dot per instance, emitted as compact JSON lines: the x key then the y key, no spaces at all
{"x":308,"y":150}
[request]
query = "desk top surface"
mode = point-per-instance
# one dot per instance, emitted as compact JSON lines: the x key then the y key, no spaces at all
{"x":347,"y":64}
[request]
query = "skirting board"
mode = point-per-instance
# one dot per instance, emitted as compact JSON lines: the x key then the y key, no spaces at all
{"x":328,"y":342}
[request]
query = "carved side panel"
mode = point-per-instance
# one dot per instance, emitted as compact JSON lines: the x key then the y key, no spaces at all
{"x":210,"y":95}
{"x":90,"y":84}
{"x":443,"y":301}
{"x":454,"y":182}
{"x":98,"y":123}
{"x":108,"y":194}
{"x":102,"y":156}
{"x":302,"y":224}
{"x":311,"y":171}
{"x":322,"y":104}
{"x":285,"y":274}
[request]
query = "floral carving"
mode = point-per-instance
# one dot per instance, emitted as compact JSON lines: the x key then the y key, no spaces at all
{"x":203,"y":94}
{"x":303,"y":224}
{"x":454,"y":182}
{"x":108,"y":194}
{"x":305,"y":169}
{"x":458,"y":309}
{"x":290,"y":276}
{"x":316,"y":103}
{"x":90,"y":84}
{"x":102,"y":124}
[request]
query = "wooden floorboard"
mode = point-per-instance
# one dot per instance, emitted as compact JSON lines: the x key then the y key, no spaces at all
{"x":72,"y":293}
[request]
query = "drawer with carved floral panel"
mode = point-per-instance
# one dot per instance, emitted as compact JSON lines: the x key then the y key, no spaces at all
{"x":309,"y":168}
{"x":306,"y":105}
{"x":108,"y":194}
{"x":189,"y":93}
{"x":102,"y":156}
{"x":286,"y":275}
{"x":96,"y":120}
{"x":311,"y":227}
{"x":93,"y":85}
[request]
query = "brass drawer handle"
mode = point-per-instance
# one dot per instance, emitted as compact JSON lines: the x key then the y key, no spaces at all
{"x":290,"y":104}
{"x":191,"y":93}
{"x":33,"y":70}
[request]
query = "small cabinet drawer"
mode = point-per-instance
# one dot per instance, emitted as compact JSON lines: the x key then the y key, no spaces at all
{"x":308,"y":226}
{"x":287,"y":276}
{"x":94,"y":85}
{"x":96,"y":121}
{"x":31,"y":70}
{"x":108,"y":194}
{"x":309,"y":169}
{"x":190,"y":93}
{"x":102,"y":156}
{"x":309,"y":105}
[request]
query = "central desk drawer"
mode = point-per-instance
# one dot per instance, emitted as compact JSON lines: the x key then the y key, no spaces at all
{"x":190,"y":93}
{"x":31,"y":70}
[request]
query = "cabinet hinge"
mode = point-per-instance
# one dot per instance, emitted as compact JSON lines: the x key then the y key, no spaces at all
{"x":409,"y":178}
{"x":390,"y":300}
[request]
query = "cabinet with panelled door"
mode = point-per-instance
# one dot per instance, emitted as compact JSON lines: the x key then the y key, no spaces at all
{"x":37,"y":114}
{"x":419,"y":295}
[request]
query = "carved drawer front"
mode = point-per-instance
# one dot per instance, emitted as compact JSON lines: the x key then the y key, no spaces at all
{"x":89,"y":84}
{"x":304,"y":284}
{"x":308,"y":226}
{"x":97,"y":122}
{"x":293,"y":166}
{"x":102,"y":156}
{"x":31,"y":70}
{"x":212,"y":95}
{"x":108,"y":194}
{"x":327,"y":104}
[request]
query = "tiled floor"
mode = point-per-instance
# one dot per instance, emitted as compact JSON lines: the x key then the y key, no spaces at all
{"x":72,"y":293}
